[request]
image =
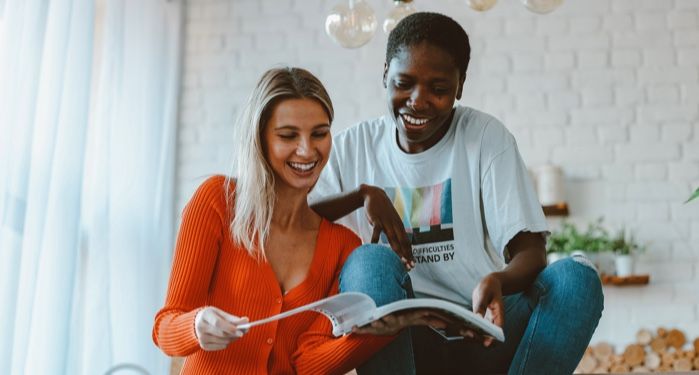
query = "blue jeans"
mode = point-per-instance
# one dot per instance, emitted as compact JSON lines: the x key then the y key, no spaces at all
{"x":377,"y":271}
{"x":547,"y":328}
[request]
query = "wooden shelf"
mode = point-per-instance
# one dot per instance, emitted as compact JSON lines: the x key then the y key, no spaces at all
{"x":560,"y":209}
{"x":625,"y":280}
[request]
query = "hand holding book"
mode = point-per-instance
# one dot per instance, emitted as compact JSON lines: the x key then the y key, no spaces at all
{"x":348,"y":311}
{"x":488,"y":303}
{"x":215,"y":329}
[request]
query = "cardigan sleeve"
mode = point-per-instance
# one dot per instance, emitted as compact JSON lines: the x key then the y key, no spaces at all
{"x":196,"y":251}
{"x":319,"y":352}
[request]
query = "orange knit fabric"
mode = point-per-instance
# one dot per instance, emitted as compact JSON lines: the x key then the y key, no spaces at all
{"x":210,"y":270}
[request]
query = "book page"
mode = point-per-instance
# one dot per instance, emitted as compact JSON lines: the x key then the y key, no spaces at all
{"x":344,"y":310}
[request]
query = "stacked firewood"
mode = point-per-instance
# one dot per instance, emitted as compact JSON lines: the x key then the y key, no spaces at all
{"x":662,"y":351}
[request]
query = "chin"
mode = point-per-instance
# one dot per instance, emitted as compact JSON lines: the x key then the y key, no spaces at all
{"x":302,"y":185}
{"x":414,"y":136}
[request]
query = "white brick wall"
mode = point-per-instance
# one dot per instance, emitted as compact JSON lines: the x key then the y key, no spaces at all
{"x":606,"y":89}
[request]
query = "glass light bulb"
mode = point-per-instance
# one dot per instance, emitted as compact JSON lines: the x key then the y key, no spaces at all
{"x":481,"y":5}
{"x":542,"y":6}
{"x":351,"y":24}
{"x":401,"y":9}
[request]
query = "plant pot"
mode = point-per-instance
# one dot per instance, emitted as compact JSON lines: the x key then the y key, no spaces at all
{"x":624,"y":265}
{"x":553,"y":257}
{"x":581,"y":253}
{"x":605,"y":263}
{"x":591,"y":256}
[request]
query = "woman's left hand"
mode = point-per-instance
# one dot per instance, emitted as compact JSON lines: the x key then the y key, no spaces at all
{"x":392,"y":324}
{"x":487,"y":296}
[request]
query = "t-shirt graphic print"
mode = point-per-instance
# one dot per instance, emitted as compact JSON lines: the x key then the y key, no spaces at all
{"x":427,"y":217}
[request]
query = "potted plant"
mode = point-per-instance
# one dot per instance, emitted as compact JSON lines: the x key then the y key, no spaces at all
{"x":558,"y":244}
{"x":624,"y":248}
{"x":569,"y":240}
{"x":693,"y":196}
{"x":596,"y":247}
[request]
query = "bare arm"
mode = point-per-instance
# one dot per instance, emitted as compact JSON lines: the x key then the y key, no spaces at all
{"x":380,"y":213}
{"x":340,"y":205}
{"x":528,"y":258}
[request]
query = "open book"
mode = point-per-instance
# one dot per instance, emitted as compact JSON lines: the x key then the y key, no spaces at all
{"x":346,"y":310}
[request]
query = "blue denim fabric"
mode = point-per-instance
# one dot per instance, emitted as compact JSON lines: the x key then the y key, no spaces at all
{"x":566,"y":303}
{"x":378,"y":272}
{"x":547,"y":328}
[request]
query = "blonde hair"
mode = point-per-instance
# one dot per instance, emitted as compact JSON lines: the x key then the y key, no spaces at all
{"x":252,"y":202}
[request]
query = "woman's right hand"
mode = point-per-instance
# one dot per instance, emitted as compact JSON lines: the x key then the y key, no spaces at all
{"x":215,"y":328}
{"x":384,"y":218}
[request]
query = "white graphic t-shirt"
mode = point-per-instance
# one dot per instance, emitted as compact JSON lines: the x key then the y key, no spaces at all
{"x":461,"y":200}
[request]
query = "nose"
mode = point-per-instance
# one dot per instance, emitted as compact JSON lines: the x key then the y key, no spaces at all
{"x":418,"y":100}
{"x":304,"y":147}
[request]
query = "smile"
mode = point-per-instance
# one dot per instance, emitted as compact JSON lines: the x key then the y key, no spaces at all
{"x":414,"y":121}
{"x":302,"y":167}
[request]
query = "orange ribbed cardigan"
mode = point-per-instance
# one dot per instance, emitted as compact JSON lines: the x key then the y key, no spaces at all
{"x":210,"y":270}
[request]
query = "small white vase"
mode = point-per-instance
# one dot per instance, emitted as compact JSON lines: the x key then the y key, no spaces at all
{"x":592,"y":257}
{"x":553,"y":257}
{"x":605,"y":263}
{"x":624,"y":265}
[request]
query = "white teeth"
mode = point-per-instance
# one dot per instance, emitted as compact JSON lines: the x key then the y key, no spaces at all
{"x":303,"y":166}
{"x":414,"y":121}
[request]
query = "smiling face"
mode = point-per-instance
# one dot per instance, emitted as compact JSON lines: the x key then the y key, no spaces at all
{"x":297,"y":142}
{"x":422,"y":82}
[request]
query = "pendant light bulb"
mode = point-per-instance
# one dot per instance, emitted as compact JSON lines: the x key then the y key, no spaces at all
{"x":351,"y":24}
{"x":542,"y":6}
{"x":481,"y":5}
{"x":400,"y":10}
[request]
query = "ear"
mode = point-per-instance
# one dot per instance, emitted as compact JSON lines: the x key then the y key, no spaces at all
{"x":385,"y":74}
{"x":460,"y":90}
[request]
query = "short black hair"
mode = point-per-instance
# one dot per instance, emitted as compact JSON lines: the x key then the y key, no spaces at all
{"x":434,"y":28}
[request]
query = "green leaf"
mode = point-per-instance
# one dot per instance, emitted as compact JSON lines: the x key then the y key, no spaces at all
{"x":694,"y":195}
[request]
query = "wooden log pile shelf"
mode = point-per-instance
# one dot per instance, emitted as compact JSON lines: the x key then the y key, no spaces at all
{"x":660,"y":351}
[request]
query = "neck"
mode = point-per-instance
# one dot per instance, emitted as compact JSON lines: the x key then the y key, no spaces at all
{"x":291,"y":208}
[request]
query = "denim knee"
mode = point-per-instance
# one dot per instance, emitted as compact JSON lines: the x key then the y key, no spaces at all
{"x":574,"y":280}
{"x":377,"y":271}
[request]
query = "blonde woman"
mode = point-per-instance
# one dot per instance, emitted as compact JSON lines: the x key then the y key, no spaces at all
{"x":251,"y":247}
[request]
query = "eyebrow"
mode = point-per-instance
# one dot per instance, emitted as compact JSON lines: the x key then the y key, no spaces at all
{"x":438,"y":80}
{"x":294,"y":127}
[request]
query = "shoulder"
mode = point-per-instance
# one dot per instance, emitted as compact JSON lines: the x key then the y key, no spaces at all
{"x":481,"y":122}
{"x":216,"y":182}
{"x":364,"y":133}
{"x":483,"y":129}
{"x":214,"y":193}
{"x":216,"y":185}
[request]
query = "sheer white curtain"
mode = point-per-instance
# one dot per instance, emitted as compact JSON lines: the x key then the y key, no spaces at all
{"x":85,"y":197}
{"x":47,"y":48}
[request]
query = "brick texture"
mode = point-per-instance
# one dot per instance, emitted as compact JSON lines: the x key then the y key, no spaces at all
{"x":605,"y":89}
